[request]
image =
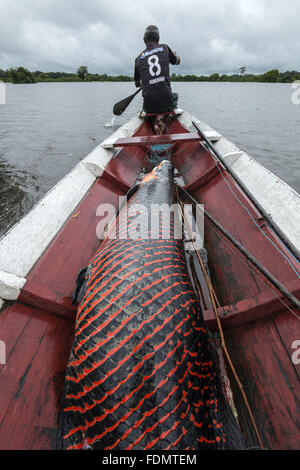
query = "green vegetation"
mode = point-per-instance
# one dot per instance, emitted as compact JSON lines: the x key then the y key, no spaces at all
{"x":22,"y":75}
{"x":272,"y":76}
{"x":82,"y":72}
{"x":19,"y":75}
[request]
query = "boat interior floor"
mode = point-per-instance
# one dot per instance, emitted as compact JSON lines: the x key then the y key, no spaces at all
{"x":260,"y":330}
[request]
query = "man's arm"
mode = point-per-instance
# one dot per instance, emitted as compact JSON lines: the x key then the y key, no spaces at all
{"x":178,"y":59}
{"x":173,"y":57}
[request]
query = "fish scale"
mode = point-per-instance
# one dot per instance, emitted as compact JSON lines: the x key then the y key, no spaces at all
{"x":142,"y":372}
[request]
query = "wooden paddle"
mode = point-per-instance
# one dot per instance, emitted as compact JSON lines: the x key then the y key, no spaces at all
{"x":120,"y":107}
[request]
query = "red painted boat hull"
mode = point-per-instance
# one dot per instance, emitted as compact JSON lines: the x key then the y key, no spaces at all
{"x":260,"y":331}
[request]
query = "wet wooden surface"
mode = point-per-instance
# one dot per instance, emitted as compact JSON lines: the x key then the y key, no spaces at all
{"x":38,"y":340}
{"x":38,"y":347}
{"x":262,"y":355}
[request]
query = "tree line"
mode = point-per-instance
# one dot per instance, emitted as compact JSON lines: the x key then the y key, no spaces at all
{"x":22,"y":75}
{"x":272,"y":76}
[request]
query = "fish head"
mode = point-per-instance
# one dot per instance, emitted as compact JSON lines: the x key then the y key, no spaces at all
{"x":162,"y":172}
{"x":158,"y":185}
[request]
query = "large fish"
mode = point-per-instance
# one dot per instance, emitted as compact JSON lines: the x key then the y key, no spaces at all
{"x":143,"y":371}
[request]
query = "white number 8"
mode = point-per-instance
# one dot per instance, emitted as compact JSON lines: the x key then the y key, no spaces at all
{"x":153,"y":61}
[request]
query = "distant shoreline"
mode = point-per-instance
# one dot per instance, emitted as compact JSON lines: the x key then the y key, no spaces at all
{"x":21,"y":75}
{"x":124,"y":81}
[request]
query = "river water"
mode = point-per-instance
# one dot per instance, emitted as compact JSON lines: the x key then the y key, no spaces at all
{"x":47,"y":128}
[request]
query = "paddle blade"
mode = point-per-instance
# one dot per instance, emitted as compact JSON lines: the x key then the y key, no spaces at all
{"x":120,"y":107}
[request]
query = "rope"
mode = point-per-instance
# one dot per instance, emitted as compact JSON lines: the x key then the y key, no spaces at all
{"x":262,"y":231}
{"x":271,"y":222}
{"x":262,"y":278}
{"x":215,"y":301}
{"x":157,"y":153}
{"x":277,"y":284}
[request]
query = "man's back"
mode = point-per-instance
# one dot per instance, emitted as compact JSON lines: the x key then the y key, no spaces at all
{"x":152,"y":70}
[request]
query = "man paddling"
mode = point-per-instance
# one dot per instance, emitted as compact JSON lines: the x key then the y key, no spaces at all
{"x":153,"y":75}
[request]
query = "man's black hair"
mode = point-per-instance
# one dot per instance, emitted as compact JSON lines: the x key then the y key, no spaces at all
{"x":151,"y":34}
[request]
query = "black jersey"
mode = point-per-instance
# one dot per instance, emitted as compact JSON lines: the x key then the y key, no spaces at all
{"x":152,"y":68}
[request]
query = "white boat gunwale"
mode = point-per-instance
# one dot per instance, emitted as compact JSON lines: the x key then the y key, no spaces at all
{"x":23,"y":245}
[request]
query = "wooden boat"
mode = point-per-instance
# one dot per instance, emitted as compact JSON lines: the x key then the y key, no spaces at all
{"x":41,"y":256}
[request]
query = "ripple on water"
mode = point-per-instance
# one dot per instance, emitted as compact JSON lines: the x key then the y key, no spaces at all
{"x":18,"y":190}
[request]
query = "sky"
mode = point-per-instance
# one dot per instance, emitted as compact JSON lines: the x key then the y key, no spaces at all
{"x":106,"y":35}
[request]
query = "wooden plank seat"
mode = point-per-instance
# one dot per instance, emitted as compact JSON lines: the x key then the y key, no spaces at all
{"x":145,"y":140}
{"x":168,"y":113}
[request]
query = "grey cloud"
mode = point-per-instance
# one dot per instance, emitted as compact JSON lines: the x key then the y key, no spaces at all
{"x":106,"y":35}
